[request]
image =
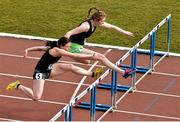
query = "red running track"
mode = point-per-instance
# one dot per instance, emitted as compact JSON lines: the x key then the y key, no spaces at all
{"x":157,"y":97}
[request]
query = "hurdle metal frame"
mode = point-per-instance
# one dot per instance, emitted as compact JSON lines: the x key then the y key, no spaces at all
{"x":113,"y":86}
{"x":134,"y":51}
{"x":152,"y":52}
{"x":93,"y":106}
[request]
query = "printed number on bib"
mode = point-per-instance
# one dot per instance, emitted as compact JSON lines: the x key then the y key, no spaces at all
{"x":39,"y":76}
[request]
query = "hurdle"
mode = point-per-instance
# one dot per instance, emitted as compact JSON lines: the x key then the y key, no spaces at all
{"x":152,"y":52}
{"x":92,"y":106}
{"x":114,"y":86}
{"x":152,"y":36}
{"x":68,"y":108}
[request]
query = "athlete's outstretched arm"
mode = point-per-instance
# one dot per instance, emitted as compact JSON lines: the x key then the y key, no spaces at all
{"x":60,"y":52}
{"x":36,"y":48}
{"x":116,"y":28}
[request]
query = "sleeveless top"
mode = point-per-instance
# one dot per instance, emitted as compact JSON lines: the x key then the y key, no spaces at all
{"x":80,"y":37}
{"x":46,"y":62}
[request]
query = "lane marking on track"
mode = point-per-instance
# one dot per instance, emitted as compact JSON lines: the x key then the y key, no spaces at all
{"x":167,"y":74}
{"x":27,"y":99}
{"x":11,"y":120}
{"x":156,"y":93}
{"x":150,"y":115}
{"x":56,"y":81}
{"x":36,"y":38}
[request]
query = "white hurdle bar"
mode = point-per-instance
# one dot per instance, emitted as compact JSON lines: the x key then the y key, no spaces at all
{"x":151,"y":34}
{"x":145,"y":38}
{"x":167,"y":19}
{"x":108,"y":71}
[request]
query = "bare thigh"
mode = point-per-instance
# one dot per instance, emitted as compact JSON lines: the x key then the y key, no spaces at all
{"x":88,"y":51}
{"x":38,"y":87}
{"x":85,"y":51}
{"x":59,"y":68}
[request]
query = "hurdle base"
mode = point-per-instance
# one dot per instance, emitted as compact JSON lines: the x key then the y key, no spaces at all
{"x":138,"y":68}
{"x":99,"y":107}
{"x":121,"y":88}
{"x":147,"y":52}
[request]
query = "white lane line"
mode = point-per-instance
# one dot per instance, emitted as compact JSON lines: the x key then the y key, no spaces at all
{"x":27,"y":99}
{"x":144,"y":114}
{"x":36,"y":38}
{"x":56,"y":81}
{"x":37,"y":58}
{"x":167,"y":74}
{"x":160,"y":94}
{"x":10,"y":120}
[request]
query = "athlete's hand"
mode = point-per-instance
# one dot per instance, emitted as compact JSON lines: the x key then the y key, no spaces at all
{"x":130,"y":34}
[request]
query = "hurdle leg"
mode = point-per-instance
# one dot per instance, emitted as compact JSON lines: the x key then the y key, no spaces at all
{"x":152,"y":49}
{"x":114,"y":90}
{"x":67,"y":115}
{"x":168,"y":34}
{"x":133,"y":66}
{"x":93,"y":104}
{"x":70,"y":112}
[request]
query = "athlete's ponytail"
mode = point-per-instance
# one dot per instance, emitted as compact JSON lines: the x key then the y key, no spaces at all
{"x":97,"y":15}
{"x":92,"y":8}
{"x":52,"y":44}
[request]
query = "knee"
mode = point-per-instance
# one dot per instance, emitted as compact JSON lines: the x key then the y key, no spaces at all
{"x":101,"y":56}
{"x":87,"y":61}
{"x":70,"y":66}
{"x":36,"y":97}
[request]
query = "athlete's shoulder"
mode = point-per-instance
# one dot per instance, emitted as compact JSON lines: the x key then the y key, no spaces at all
{"x":55,"y":51}
{"x":85,"y":25}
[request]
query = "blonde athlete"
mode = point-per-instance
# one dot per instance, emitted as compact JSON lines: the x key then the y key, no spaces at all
{"x":79,"y":34}
{"x":48,"y":66}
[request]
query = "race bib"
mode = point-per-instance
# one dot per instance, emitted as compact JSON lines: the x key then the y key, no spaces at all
{"x":39,"y":76}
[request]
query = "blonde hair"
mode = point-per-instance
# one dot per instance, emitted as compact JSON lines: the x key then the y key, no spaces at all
{"x":97,"y":15}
